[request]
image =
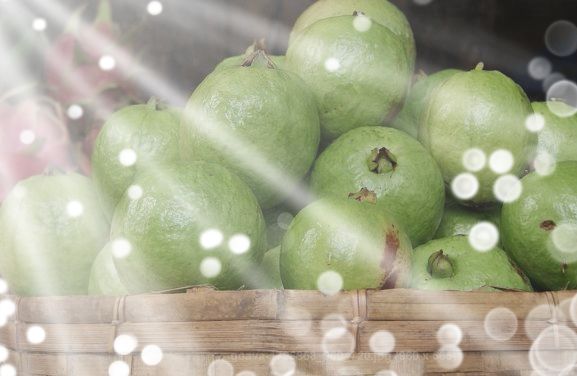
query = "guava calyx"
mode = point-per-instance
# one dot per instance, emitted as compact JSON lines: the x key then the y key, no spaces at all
{"x":548,"y":225}
{"x":382,"y":161}
{"x":439,"y":265}
{"x":364,"y":195}
{"x":480,"y":66}
{"x":258,"y":57}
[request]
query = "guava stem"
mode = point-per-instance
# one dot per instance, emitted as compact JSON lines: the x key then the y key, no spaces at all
{"x":480,"y":66}
{"x":439,"y":265}
{"x":258,"y":57}
{"x":364,"y":195}
{"x":381,"y":161}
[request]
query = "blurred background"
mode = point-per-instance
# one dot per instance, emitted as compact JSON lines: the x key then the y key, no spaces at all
{"x":68,"y":63}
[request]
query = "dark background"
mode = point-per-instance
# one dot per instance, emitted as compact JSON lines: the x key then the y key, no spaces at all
{"x":184,"y":43}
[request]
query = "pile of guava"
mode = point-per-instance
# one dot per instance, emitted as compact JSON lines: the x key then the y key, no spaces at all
{"x":332,"y":167}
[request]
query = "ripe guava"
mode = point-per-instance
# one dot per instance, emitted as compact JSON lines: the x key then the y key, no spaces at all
{"x":477,"y":109}
{"x":133,"y":137}
{"x":458,"y":220}
{"x":558,"y":138}
{"x":452,"y":264}
{"x":270,"y":269}
{"x":51,"y":230}
{"x":359,"y":78}
{"x":539,"y":230}
{"x":259,"y":121}
{"x":419,"y":94}
{"x":355,"y":239}
{"x":195,"y":223}
{"x":382,"y":12}
{"x":104,"y":279}
{"x":405,"y":178}
{"x":237,"y":61}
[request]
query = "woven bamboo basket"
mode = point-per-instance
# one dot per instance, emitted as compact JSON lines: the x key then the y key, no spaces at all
{"x":202,"y":332}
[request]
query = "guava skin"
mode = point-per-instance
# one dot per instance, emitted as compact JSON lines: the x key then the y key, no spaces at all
{"x":419,"y":94}
{"x":471,"y":269}
{"x":164,"y":226}
{"x":270,"y":269}
{"x":44,"y":251}
{"x":458,"y":220}
{"x":559,"y":136}
{"x":257,"y":121}
{"x":104,"y":279}
{"x":477,"y":109}
{"x":152,"y":133}
{"x":528,"y":223}
{"x":370,"y":78}
{"x":342,"y":169}
{"x":380,"y":11}
{"x":236,"y":61}
{"x":354,"y":239}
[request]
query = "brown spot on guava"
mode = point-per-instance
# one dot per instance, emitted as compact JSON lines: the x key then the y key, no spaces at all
{"x":548,"y":225}
{"x":364,"y":195}
{"x":390,"y":255}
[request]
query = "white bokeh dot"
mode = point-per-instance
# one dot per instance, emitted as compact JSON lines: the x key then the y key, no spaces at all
{"x":74,"y":209}
{"x":210,"y":267}
{"x":3,"y":286}
{"x":284,"y":220}
{"x":151,"y":355}
{"x":332,"y":64}
{"x":239,"y":244}
{"x":507,"y":188}
{"x":338,"y":344}
{"x":561,"y":38}
{"x":119,"y":368}
{"x":539,"y":68}
{"x":7,"y":307}
{"x":3,"y":321}
{"x":135,"y":192}
{"x":35,"y":334}
{"x":362,"y":23}
{"x":484,"y":236}
{"x":39,"y":24}
{"x":386,"y":372}
{"x":552,"y":79}
{"x":154,"y":8}
{"x":127,"y":157}
{"x":246,"y":373}
{"x":211,"y":238}
{"x":4,"y":354}
{"x":535,"y":122}
{"x":474,"y":159}
{"x":27,"y":137}
{"x":548,"y":354}
{"x":220,"y":367}
{"x":121,"y":248}
{"x":544,"y":163}
{"x":125,"y":344}
{"x":564,"y":237}
{"x":7,"y":370}
{"x":501,"y":161}
{"x":449,"y":357}
{"x":75,"y":111}
{"x":449,"y":335}
{"x":465,"y":186}
{"x":382,"y":342}
{"x":501,"y":324}
{"x":107,"y":63}
{"x":562,"y":91}
{"x":330,"y":282}
{"x":283,"y":365}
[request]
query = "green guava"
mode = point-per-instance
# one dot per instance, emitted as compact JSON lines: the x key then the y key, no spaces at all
{"x":458,"y":220}
{"x":259,"y":121}
{"x":359,"y":78}
{"x":135,"y":136}
{"x":270,"y":270}
{"x":382,"y":12}
{"x":194,"y":224}
{"x":405,"y":178}
{"x":104,"y":279}
{"x":558,"y":138}
{"x":452,"y":264}
{"x":354,"y":239}
{"x":419,"y":94}
{"x":239,"y":60}
{"x":477,"y":109}
{"x":539,"y":230}
{"x":51,"y":230}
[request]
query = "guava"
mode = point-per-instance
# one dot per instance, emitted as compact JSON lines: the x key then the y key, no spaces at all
{"x":352,"y":241}
{"x":51,"y":230}
{"x":415,"y":103}
{"x":195,"y":223}
{"x":458,"y":220}
{"x":539,"y":230}
{"x":104,"y":279}
{"x":270,"y":270}
{"x":237,"y":61}
{"x":359,"y":78}
{"x":404,"y":176}
{"x":452,"y":264}
{"x":259,"y":121}
{"x":133,"y":137}
{"x":478,"y":109}
{"x":382,"y":12}
{"x":558,"y":138}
